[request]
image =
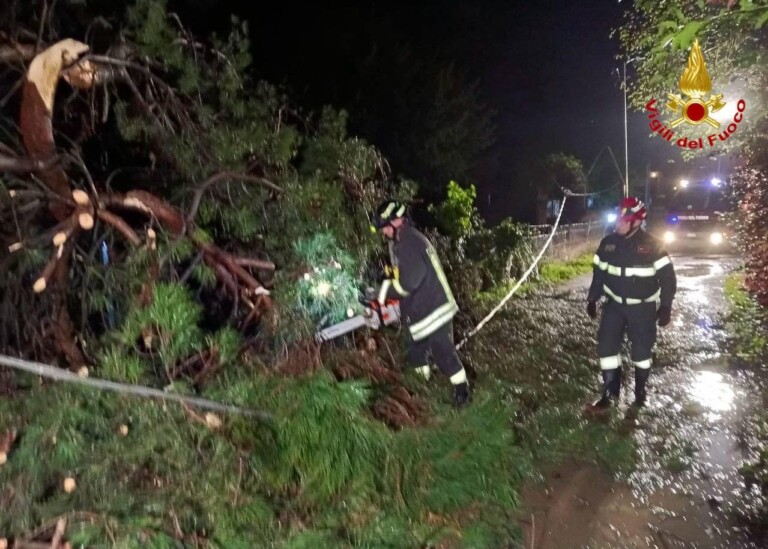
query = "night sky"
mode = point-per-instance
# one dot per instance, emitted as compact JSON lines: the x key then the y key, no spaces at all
{"x":548,"y":69}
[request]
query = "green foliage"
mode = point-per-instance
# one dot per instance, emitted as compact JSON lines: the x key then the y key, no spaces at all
{"x":474,"y":455}
{"x":753,"y":510}
{"x":456,"y":214}
{"x":731,"y":36}
{"x":746,"y":322}
{"x":486,"y":259}
{"x":327,"y":290}
{"x":165,"y":470}
{"x":324,"y":461}
{"x":502,"y":253}
{"x":555,"y":172}
{"x":558,"y":271}
{"x":325,"y":443}
{"x":173,"y":316}
{"x":324,"y":472}
{"x":749,"y":189}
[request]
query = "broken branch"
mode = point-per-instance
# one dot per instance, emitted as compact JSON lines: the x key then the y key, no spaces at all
{"x":61,"y":525}
{"x":220,"y":177}
{"x":24,"y":165}
{"x":120,"y":225}
{"x":16,"y":53}
{"x":63,"y":250}
{"x":255,"y":263}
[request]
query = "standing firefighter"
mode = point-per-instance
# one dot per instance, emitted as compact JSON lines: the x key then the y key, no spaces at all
{"x":634,"y":272}
{"x":427,"y":305}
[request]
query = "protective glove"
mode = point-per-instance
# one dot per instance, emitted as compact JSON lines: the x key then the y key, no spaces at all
{"x":664,"y":314}
{"x":592,"y":309}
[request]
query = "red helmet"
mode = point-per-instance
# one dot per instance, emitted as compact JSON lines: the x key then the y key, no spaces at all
{"x":631,"y":209}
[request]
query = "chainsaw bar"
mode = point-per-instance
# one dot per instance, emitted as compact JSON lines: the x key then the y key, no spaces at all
{"x":373,"y":317}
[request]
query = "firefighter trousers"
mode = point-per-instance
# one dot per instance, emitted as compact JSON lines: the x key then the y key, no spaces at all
{"x":440,"y":345}
{"x":639,"y":321}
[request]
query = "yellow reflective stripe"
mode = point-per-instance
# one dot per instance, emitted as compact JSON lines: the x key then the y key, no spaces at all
{"x":614,"y":270}
{"x":437,"y":318}
{"x":641,"y":271}
{"x":383,"y":291}
{"x":644,"y":364}
{"x":442,"y":314}
{"x":400,"y":211}
{"x":664,"y":261}
{"x":439,"y":271}
{"x":610,"y":362}
{"x":388,"y":210}
{"x":398,"y":288}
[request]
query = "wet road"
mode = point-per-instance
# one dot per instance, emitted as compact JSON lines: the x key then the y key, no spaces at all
{"x":689,"y":439}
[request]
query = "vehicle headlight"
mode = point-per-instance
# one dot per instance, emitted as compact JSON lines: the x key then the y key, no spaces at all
{"x":611,"y":217}
{"x":669,"y":236}
{"x":716,"y":238}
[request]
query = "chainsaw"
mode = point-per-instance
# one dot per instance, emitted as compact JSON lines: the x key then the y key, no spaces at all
{"x":374,"y":316}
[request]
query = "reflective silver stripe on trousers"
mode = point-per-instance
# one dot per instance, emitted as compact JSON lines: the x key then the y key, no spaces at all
{"x":439,"y":316}
{"x":644,"y":364}
{"x":631,"y":300}
{"x":610,"y":362}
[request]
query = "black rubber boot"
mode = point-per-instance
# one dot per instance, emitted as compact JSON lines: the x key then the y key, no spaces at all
{"x":610,"y":392}
{"x":614,"y":384}
{"x":461,"y":395}
{"x":641,"y":377}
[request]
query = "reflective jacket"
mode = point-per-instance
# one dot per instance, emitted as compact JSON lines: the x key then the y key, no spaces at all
{"x":633,"y":270}
{"x":426,"y":301}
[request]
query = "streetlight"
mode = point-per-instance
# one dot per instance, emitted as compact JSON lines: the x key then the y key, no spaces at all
{"x":684,"y":183}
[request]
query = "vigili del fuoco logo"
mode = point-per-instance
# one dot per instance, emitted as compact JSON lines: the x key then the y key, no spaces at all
{"x":694,"y":106}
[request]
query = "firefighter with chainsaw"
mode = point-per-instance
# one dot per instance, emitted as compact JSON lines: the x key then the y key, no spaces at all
{"x":635,"y":274}
{"x":427,"y":306}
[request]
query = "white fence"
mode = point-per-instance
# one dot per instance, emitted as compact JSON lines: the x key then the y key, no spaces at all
{"x":570,"y":241}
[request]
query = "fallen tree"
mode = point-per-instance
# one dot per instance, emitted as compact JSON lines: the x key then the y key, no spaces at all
{"x":201,"y":166}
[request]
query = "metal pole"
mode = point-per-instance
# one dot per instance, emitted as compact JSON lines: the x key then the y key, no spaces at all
{"x":647,"y":183}
{"x":626,"y":141}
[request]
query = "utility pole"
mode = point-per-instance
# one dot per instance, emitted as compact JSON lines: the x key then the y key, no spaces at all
{"x":626,"y":140}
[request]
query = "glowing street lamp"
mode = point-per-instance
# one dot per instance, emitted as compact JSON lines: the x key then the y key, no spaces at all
{"x":716,"y":181}
{"x":684,"y":183}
